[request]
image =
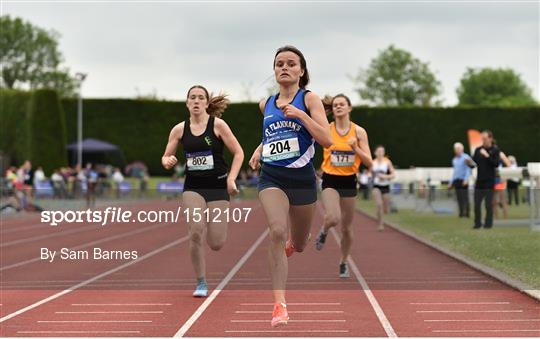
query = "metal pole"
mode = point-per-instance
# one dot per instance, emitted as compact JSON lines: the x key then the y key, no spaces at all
{"x":79,"y":128}
{"x":80,"y":78}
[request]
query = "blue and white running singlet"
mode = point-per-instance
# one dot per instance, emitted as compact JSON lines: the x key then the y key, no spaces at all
{"x":286,"y":141}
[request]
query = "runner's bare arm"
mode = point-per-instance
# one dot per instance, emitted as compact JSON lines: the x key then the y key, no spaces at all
{"x":225,"y":133}
{"x":254,"y":160}
{"x":317,"y":124}
{"x":168,"y":160}
{"x":361,"y":147}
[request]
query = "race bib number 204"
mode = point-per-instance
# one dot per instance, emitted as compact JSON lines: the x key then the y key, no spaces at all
{"x":281,"y":149}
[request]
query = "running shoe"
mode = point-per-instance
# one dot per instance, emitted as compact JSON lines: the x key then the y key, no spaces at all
{"x":321,"y":239}
{"x":289,"y":248}
{"x":202,"y":290}
{"x":280,"y":316}
{"x":380,"y":227}
{"x":344,"y":270}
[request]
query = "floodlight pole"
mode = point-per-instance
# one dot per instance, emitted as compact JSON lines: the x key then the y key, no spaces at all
{"x":80,"y":79}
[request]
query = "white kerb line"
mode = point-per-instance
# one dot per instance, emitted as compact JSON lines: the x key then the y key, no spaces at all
{"x":97,"y":277}
{"x":371,"y":298}
{"x":187,"y":325}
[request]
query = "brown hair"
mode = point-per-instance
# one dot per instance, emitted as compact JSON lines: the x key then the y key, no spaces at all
{"x":328,"y":101}
{"x":216,"y":104}
{"x":304,"y":79}
{"x":488,"y":132}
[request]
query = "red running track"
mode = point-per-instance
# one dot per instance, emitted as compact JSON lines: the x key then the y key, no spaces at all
{"x":398,"y":287}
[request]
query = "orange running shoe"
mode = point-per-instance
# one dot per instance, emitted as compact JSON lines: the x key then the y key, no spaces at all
{"x":280,"y":316}
{"x":289,"y":248}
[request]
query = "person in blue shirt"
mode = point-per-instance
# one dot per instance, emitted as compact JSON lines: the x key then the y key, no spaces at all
{"x":462,"y":164}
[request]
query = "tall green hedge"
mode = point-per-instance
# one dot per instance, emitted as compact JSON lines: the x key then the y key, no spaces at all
{"x":412,"y":136}
{"x":13,"y":111}
{"x":141,"y":127}
{"x":424,"y":136}
{"x":46,"y":125}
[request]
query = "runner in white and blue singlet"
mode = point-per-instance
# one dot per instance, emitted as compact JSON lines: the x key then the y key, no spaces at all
{"x":294,"y":119}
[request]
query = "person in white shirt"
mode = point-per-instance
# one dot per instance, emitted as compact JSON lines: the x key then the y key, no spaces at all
{"x":118,"y":178}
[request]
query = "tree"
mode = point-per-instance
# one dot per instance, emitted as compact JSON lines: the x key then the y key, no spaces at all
{"x":493,"y":87}
{"x":30,"y":57}
{"x":396,"y":78}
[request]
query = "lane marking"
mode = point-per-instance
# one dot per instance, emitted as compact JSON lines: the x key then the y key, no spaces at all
{"x":47,"y":236}
{"x":480,"y":320}
{"x":91,"y":243}
{"x":472,"y":311}
{"x":292,"y":304}
{"x":24,"y":228}
{"x":466,"y":331}
{"x":108,"y":312}
{"x":371,"y":298}
{"x":93,"y":321}
{"x":99,"y":276}
{"x":306,"y":312}
{"x":153,"y":304}
{"x":293,"y":321}
{"x":466,"y":303}
{"x":76,"y":332}
{"x":187,"y":325}
{"x":289,"y":331}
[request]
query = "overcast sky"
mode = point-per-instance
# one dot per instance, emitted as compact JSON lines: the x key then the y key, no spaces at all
{"x":166,"y":47}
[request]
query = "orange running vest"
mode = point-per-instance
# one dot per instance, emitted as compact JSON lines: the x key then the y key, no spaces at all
{"x":340,"y":158}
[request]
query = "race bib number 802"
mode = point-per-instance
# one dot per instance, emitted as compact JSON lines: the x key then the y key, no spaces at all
{"x":200,"y":161}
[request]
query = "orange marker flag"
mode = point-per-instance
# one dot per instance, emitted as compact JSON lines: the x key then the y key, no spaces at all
{"x":475,"y":139}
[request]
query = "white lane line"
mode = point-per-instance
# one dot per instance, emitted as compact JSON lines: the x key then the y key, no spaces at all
{"x":305,"y":312}
{"x":472,"y":311}
{"x":431,"y":282}
{"x":187,"y":325}
{"x":93,"y":321}
{"x":143,"y":304}
{"x":293,"y":321}
{"x":99,"y":276}
{"x":24,"y":228}
{"x":480,"y":320}
{"x":466,"y":303}
{"x":289,"y":331}
{"x":108,"y":312}
{"x":50,"y":235}
{"x":76,"y":332}
{"x":479,"y":331}
{"x":365,"y":287}
{"x":91,"y":243}
{"x":292,"y":304}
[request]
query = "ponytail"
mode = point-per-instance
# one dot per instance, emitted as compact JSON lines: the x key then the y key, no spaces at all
{"x":217,"y":105}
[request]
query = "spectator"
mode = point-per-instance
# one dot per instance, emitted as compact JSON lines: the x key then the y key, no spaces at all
{"x":91,"y":183}
{"x":118,"y":178}
{"x":39,"y":176}
{"x":364,"y":181}
{"x":512,"y":185}
{"x":499,"y":200}
{"x":462,"y":164}
{"x":487,"y":159}
{"x":59,"y":185}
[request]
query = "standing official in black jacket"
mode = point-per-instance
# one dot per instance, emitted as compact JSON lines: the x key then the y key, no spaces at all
{"x":487,"y":159}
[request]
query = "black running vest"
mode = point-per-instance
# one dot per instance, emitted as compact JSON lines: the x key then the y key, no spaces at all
{"x":204,"y":153}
